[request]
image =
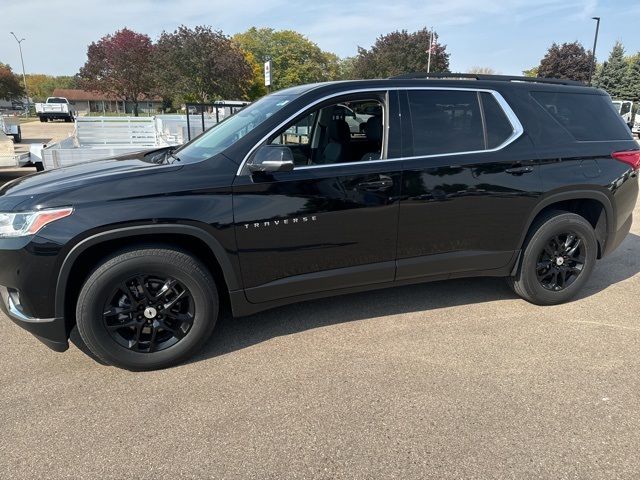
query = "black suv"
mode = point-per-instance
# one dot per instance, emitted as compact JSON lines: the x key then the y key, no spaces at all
{"x":315,"y":191}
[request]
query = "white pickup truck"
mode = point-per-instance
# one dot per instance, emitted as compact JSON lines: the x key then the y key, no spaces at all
{"x":55,"y":108}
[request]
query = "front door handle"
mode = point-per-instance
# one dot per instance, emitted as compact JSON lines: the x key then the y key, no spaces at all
{"x":519,"y":170}
{"x":383,"y":182}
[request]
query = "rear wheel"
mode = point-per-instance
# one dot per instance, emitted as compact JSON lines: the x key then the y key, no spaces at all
{"x":17,"y":138}
{"x":146,"y":309}
{"x":557,"y":260}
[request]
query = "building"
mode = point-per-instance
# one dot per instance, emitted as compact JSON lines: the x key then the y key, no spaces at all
{"x":86,"y":102}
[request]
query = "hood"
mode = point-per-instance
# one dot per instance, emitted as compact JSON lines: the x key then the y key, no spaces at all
{"x":128,"y":178}
{"x":51,"y":182}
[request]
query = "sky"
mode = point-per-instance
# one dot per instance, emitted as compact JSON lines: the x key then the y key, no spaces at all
{"x":506,"y":35}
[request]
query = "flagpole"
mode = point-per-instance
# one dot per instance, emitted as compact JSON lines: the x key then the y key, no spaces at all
{"x":430,"y":48}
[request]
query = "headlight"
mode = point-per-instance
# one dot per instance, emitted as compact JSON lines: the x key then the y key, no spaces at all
{"x":21,"y":224}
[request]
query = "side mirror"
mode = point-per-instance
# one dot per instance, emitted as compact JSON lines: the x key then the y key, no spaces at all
{"x":272,"y":158}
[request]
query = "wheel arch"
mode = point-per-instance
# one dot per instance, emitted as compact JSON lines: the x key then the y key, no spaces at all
{"x":189,"y":238}
{"x":593,"y":205}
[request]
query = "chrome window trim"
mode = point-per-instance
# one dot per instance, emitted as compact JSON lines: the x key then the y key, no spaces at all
{"x":517,"y":127}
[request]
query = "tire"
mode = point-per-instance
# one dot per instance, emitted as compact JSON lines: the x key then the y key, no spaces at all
{"x":39,"y":166}
{"x":540,"y":278}
{"x":42,"y":119}
{"x":117,"y":326}
{"x":18,"y":137}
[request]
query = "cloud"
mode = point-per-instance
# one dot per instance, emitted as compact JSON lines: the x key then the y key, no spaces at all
{"x":58,"y":31}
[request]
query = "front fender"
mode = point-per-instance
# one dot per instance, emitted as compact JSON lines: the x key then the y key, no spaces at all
{"x":214,"y":245}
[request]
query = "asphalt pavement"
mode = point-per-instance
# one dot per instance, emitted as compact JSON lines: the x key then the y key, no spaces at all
{"x":457,"y":379}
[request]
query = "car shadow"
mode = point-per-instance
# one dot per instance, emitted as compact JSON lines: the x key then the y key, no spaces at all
{"x":232,"y":334}
{"x":235,"y":334}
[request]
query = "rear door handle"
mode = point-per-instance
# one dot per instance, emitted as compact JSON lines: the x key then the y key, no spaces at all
{"x":381,"y":183}
{"x":519,"y":170}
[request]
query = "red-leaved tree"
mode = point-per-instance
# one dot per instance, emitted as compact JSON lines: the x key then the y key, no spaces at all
{"x":10,"y":86}
{"x":120,"y":64}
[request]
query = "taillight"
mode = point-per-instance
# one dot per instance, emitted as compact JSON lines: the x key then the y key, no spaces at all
{"x":631,"y":157}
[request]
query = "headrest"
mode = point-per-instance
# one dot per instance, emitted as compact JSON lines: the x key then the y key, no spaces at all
{"x":373,"y":129}
{"x":339,"y":131}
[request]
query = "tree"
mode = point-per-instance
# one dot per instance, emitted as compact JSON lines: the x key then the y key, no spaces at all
{"x":295,"y":59}
{"x":532,"y":72}
{"x":201,"y":65}
{"x":347,"y":68}
{"x":10,"y":85}
{"x":401,"y":52}
{"x":631,"y":80}
{"x":568,"y":61}
{"x":42,"y":86}
{"x":120,"y":65}
{"x":482,"y":70}
{"x":256,"y":87}
{"x":610,"y":76}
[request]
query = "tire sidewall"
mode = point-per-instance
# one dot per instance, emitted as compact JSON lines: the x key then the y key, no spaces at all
{"x":102,"y":283}
{"x":560,"y":224}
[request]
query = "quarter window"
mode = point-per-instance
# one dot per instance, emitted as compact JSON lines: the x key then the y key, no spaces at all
{"x":587,"y":117}
{"x":499,"y":129}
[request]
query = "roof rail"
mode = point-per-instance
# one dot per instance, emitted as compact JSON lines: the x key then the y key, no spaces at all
{"x":478,"y":76}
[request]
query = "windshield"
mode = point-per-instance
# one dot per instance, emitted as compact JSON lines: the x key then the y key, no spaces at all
{"x":56,"y":100}
{"x":232,"y":129}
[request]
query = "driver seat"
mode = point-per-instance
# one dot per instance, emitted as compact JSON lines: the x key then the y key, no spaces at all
{"x":338,"y":147}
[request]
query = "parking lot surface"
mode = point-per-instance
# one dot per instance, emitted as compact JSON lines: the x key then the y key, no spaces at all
{"x":443,"y":380}
{"x":36,"y":132}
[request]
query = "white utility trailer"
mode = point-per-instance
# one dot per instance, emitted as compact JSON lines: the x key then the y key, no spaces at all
{"x":101,"y":137}
{"x":10,"y":133}
{"x":96,"y":138}
{"x":10,"y":126}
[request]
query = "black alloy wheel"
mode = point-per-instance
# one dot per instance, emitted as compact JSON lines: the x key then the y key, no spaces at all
{"x":147,"y":308}
{"x":148,"y":313}
{"x":561,"y":261}
{"x":557,"y":258}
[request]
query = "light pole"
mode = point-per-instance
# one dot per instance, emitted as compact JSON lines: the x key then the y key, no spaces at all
{"x":593,"y":52}
{"x":24,"y":76}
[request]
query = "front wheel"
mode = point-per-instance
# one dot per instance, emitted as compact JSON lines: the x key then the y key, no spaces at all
{"x":146,"y":309}
{"x":557,"y":260}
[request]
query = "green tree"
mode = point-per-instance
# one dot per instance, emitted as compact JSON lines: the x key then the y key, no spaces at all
{"x":482,"y":70}
{"x":401,"y":52}
{"x":631,"y":80}
{"x":295,"y":59}
{"x":201,"y":65}
{"x":531,"y":72}
{"x":347,"y":68}
{"x":610,"y":76}
{"x":10,"y":84}
{"x":256,"y":87}
{"x":120,"y":64}
{"x":42,"y":86}
{"x":567,"y":61}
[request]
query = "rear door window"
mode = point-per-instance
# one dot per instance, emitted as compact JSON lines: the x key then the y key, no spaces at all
{"x":445,"y":121}
{"x":586,"y":117}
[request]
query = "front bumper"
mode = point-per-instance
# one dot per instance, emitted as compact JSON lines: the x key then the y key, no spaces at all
{"x":50,"y":331}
